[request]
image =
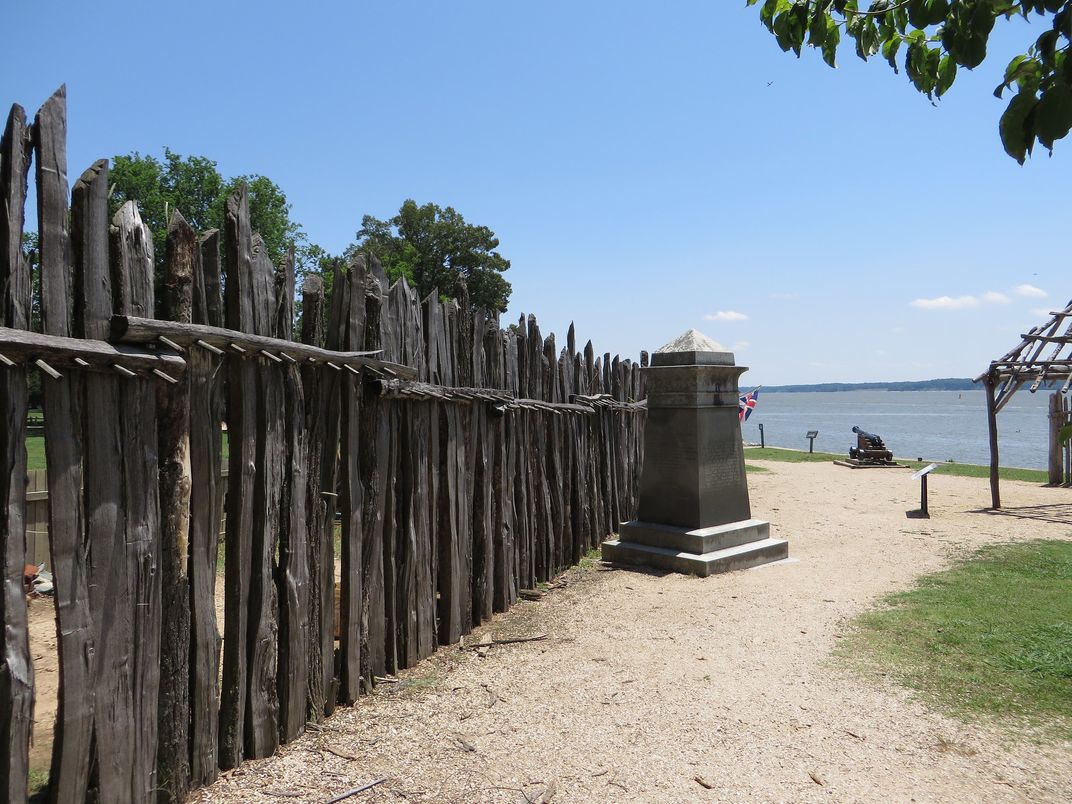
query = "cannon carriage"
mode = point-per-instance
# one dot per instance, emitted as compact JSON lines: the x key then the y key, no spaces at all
{"x":869,"y":448}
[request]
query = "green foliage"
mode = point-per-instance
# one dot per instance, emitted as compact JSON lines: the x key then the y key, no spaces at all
{"x":38,"y":780}
{"x":991,"y":636}
{"x":938,"y":36}
{"x":193,"y":186}
{"x":436,"y":251}
{"x":789,"y":455}
{"x":1065,"y":433}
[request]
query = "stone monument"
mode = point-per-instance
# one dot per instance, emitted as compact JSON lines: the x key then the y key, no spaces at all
{"x":693,"y":514}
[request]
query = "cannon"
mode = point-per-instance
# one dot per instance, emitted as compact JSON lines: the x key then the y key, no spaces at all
{"x":869,"y":448}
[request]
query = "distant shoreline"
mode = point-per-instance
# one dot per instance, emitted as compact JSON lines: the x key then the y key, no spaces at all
{"x":943,"y":384}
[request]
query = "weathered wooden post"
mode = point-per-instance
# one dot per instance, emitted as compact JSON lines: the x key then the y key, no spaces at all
{"x":16,"y":666}
{"x":175,"y":482}
{"x":1067,"y":450}
{"x":68,"y":776}
{"x":694,"y":515}
{"x":992,"y":424}
{"x":1056,"y":418}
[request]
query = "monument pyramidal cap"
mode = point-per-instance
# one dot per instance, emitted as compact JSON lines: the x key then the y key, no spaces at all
{"x":691,"y":341}
{"x":694,"y":515}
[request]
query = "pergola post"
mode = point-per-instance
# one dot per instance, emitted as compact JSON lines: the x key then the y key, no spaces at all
{"x":992,"y":423}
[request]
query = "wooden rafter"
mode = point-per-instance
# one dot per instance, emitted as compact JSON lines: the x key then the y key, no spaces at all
{"x":1026,"y":363}
{"x":1023,"y":364}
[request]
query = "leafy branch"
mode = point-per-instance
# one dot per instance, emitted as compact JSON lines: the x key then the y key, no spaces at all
{"x":937,"y":37}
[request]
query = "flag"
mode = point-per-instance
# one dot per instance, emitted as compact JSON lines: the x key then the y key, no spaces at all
{"x":746,"y":404}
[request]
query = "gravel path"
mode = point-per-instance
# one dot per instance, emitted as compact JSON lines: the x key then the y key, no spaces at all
{"x":673,"y":689}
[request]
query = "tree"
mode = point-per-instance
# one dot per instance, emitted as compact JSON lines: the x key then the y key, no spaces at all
{"x":937,"y":37}
{"x":435,"y":249}
{"x":194,"y":187}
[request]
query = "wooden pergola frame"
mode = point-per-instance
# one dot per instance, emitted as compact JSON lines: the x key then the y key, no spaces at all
{"x":1024,"y":364}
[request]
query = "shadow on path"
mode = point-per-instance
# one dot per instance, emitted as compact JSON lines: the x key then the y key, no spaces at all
{"x":1059,"y":513}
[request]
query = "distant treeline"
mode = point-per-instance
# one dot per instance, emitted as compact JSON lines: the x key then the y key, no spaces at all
{"x":943,"y":384}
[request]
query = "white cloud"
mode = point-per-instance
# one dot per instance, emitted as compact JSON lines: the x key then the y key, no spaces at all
{"x":1041,"y":312}
{"x":960,"y":302}
{"x":1031,"y":292}
{"x":740,"y":346}
{"x":726,"y":315}
{"x":946,"y":303}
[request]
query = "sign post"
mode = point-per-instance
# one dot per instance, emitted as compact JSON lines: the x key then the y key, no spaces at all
{"x":922,"y":475}
{"x":811,"y":435}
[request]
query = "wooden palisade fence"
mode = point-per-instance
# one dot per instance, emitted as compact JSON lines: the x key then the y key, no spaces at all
{"x":464,"y":461}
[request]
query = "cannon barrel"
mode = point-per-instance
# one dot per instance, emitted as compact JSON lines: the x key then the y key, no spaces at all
{"x":869,"y":436}
{"x":869,"y":448}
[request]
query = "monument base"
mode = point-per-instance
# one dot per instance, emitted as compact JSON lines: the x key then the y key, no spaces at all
{"x":701,"y":551}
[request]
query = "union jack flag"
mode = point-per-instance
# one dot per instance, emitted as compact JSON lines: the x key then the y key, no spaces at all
{"x":747,"y":404}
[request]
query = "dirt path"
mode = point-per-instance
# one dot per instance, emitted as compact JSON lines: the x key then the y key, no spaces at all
{"x":647,"y":682}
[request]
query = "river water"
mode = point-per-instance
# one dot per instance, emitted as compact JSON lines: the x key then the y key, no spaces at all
{"x":933,"y":425}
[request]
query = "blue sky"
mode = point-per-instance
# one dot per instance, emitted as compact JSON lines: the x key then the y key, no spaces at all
{"x":641,"y":174}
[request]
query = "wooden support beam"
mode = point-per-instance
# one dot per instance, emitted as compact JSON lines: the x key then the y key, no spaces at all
{"x":992,"y":422}
{"x":502,"y":399}
{"x":128,"y":329}
{"x":64,"y":352}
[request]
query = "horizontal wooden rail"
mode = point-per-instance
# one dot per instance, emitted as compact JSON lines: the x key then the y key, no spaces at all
{"x":502,"y":400}
{"x":129,"y":329}
{"x":54,"y":351}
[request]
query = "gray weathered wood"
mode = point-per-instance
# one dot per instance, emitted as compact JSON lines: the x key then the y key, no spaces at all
{"x":175,"y":479}
{"x":262,"y":702}
{"x":62,"y":352}
{"x":312,"y":333}
{"x":293,"y":575}
{"x":206,"y":413}
{"x":16,"y":666}
{"x":352,"y":493}
{"x":63,"y":450}
{"x":132,"y":290}
{"x":454,"y":534}
{"x":412,"y":527}
{"x":128,"y":329}
{"x":241,"y":475}
{"x":375,"y":453}
{"x":105,"y":515}
{"x":329,"y":415}
{"x":992,"y":432}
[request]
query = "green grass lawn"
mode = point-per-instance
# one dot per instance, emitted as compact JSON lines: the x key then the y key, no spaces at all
{"x":991,"y":637}
{"x":35,"y":452}
{"x":958,"y":469}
